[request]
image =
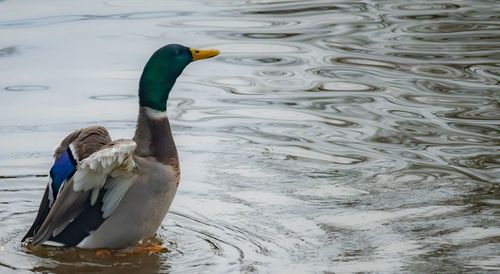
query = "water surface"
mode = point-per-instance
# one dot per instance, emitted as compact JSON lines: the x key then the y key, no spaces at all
{"x":329,"y":136}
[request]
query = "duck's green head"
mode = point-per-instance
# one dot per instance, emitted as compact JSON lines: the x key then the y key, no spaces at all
{"x":161,"y":71}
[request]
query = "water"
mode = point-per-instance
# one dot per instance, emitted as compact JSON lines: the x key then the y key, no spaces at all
{"x":329,"y":136}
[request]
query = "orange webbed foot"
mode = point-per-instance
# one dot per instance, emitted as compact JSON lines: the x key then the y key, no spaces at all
{"x":103,"y":252}
{"x":151,"y":246}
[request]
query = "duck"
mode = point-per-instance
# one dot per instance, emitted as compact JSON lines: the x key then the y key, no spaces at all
{"x":105,"y":193}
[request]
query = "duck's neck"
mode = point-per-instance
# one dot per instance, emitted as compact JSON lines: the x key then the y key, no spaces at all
{"x":154,"y":136}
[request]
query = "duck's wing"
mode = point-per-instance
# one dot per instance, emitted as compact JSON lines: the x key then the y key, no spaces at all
{"x":75,"y":147}
{"x":91,"y":195}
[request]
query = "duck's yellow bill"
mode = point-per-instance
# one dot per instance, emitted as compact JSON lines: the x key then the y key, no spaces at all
{"x":199,"y":54}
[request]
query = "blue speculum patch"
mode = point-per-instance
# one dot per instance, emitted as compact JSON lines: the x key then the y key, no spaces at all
{"x":64,"y":167}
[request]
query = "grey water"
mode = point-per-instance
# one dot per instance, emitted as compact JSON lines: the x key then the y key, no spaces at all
{"x":327,"y":137}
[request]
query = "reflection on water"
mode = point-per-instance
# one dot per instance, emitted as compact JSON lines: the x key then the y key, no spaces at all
{"x":327,"y":136}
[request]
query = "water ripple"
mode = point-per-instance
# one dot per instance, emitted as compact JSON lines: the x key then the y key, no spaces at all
{"x":22,"y":88}
{"x":263,"y":60}
{"x":51,"y":20}
{"x":113,"y":97}
{"x":310,"y":9}
{"x":6,"y":51}
{"x":236,"y":23}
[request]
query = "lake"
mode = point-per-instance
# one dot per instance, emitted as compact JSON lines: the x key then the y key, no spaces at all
{"x":328,"y":136}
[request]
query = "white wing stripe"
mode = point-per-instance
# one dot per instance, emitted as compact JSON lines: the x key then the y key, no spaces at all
{"x":116,"y":189}
{"x":94,"y":171}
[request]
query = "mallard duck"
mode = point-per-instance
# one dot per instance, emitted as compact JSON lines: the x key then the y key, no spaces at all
{"x":113,"y":194}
